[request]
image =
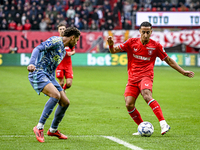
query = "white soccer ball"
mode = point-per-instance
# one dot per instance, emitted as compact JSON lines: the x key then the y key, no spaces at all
{"x":145,"y":129}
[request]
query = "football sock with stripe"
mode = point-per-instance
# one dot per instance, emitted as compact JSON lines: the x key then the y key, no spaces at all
{"x":48,"y":108}
{"x":156,"y":109}
{"x":59,"y":114}
{"x":135,"y":115}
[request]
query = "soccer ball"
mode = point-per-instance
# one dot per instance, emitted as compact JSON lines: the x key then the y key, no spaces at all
{"x":145,"y":129}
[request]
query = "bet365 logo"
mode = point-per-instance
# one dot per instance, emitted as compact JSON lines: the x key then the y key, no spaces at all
{"x":106,"y":59}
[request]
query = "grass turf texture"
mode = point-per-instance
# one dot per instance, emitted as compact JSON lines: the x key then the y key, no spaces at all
{"x":98,"y":108}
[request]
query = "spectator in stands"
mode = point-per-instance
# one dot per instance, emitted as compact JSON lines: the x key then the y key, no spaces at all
{"x":85,"y":13}
{"x":102,"y":26}
{"x":120,"y":5}
{"x":93,"y":25}
{"x":85,"y":24}
{"x":35,"y":25}
{"x":27,"y":25}
{"x":39,"y":18}
{"x":17,"y":18}
{"x":54,"y":12}
{"x":19,"y":27}
{"x":5,"y":10}
{"x":20,"y":4}
{"x":197,"y":6}
{"x":12,"y":25}
{"x":47,"y":19}
{"x":107,"y":5}
{"x":95,"y":16}
{"x":43,"y":25}
{"x":127,"y":10}
{"x":115,"y":13}
{"x":39,"y":10}
{"x":19,"y":10}
{"x":77,"y":2}
{"x":71,"y":3}
{"x":4,"y":24}
{"x":89,"y":5}
{"x":33,"y":11}
{"x":33,"y":17}
{"x":127,"y":24}
{"x":58,"y":7}
{"x":70,"y":13}
{"x":42,"y":5}
{"x":100,"y":12}
{"x":78,"y":11}
{"x":53,"y":20}
{"x":23,"y":19}
{"x":63,"y":13}
{"x":109,"y":25}
{"x":9,"y":18}
{"x":80,"y":25}
{"x":13,"y":11}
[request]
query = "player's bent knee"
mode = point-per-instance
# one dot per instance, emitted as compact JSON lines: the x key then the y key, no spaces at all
{"x":129,"y":106}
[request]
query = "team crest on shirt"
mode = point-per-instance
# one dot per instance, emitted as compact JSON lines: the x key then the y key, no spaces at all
{"x":135,"y":49}
{"x":150,"y":50}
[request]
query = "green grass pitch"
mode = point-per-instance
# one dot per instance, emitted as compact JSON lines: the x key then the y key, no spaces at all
{"x":98,"y":109}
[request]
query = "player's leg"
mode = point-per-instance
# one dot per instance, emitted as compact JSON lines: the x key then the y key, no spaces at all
{"x":59,"y":114}
{"x":54,"y":95}
{"x":60,"y":76}
{"x":41,"y":83}
{"x":131,"y":94}
{"x":146,"y":92}
{"x":68,"y":83}
{"x":69,"y":78}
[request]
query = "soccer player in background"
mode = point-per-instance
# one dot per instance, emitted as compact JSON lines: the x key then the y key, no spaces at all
{"x":142,"y":53}
{"x":44,"y":60}
{"x":64,"y":69}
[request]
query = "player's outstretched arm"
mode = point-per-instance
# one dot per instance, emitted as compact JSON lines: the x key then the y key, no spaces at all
{"x":174,"y":65}
{"x":112,"y":49}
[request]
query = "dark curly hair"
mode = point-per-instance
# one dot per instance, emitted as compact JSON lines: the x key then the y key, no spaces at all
{"x":72,"y":31}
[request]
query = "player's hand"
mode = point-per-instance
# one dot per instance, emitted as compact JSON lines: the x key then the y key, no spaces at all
{"x":110,"y":41}
{"x":31,"y":68}
{"x":189,"y":74}
{"x":69,"y":53}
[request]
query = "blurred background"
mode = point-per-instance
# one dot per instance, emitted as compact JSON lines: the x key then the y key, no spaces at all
{"x":24,"y":24}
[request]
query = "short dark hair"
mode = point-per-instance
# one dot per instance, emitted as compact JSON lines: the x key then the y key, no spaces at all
{"x":72,"y":31}
{"x":146,"y":24}
{"x":61,"y":24}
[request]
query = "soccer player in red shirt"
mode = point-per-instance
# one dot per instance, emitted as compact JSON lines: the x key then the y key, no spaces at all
{"x":142,"y":53}
{"x":64,"y":69}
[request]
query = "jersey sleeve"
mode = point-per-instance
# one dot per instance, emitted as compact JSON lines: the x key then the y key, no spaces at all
{"x":124,"y":46}
{"x":161,"y":52}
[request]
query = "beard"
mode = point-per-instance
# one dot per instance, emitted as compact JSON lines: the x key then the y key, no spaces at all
{"x":70,"y":46}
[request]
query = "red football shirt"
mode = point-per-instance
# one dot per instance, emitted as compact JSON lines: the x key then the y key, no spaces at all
{"x":66,"y":63}
{"x":141,"y":58}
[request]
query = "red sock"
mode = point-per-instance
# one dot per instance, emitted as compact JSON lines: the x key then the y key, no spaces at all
{"x":135,"y":115}
{"x":65,"y":86}
{"x":156,"y":109}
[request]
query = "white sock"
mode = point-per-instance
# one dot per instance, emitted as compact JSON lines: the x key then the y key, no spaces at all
{"x":162,"y":122}
{"x":40,"y":125}
{"x":52,"y":130}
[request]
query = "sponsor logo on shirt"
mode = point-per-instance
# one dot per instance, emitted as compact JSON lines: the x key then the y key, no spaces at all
{"x":135,"y":49}
{"x":141,"y":57}
{"x":151,"y":48}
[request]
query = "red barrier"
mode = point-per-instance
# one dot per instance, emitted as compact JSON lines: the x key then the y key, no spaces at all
{"x":25,"y":41}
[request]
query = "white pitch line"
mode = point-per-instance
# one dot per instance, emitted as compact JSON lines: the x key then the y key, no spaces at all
{"x":122,"y":142}
{"x":133,"y":147}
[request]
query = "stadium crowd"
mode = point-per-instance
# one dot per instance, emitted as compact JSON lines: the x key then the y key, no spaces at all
{"x":45,"y":15}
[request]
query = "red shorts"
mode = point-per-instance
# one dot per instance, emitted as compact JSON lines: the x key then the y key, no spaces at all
{"x":134,"y":89}
{"x":61,"y":73}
